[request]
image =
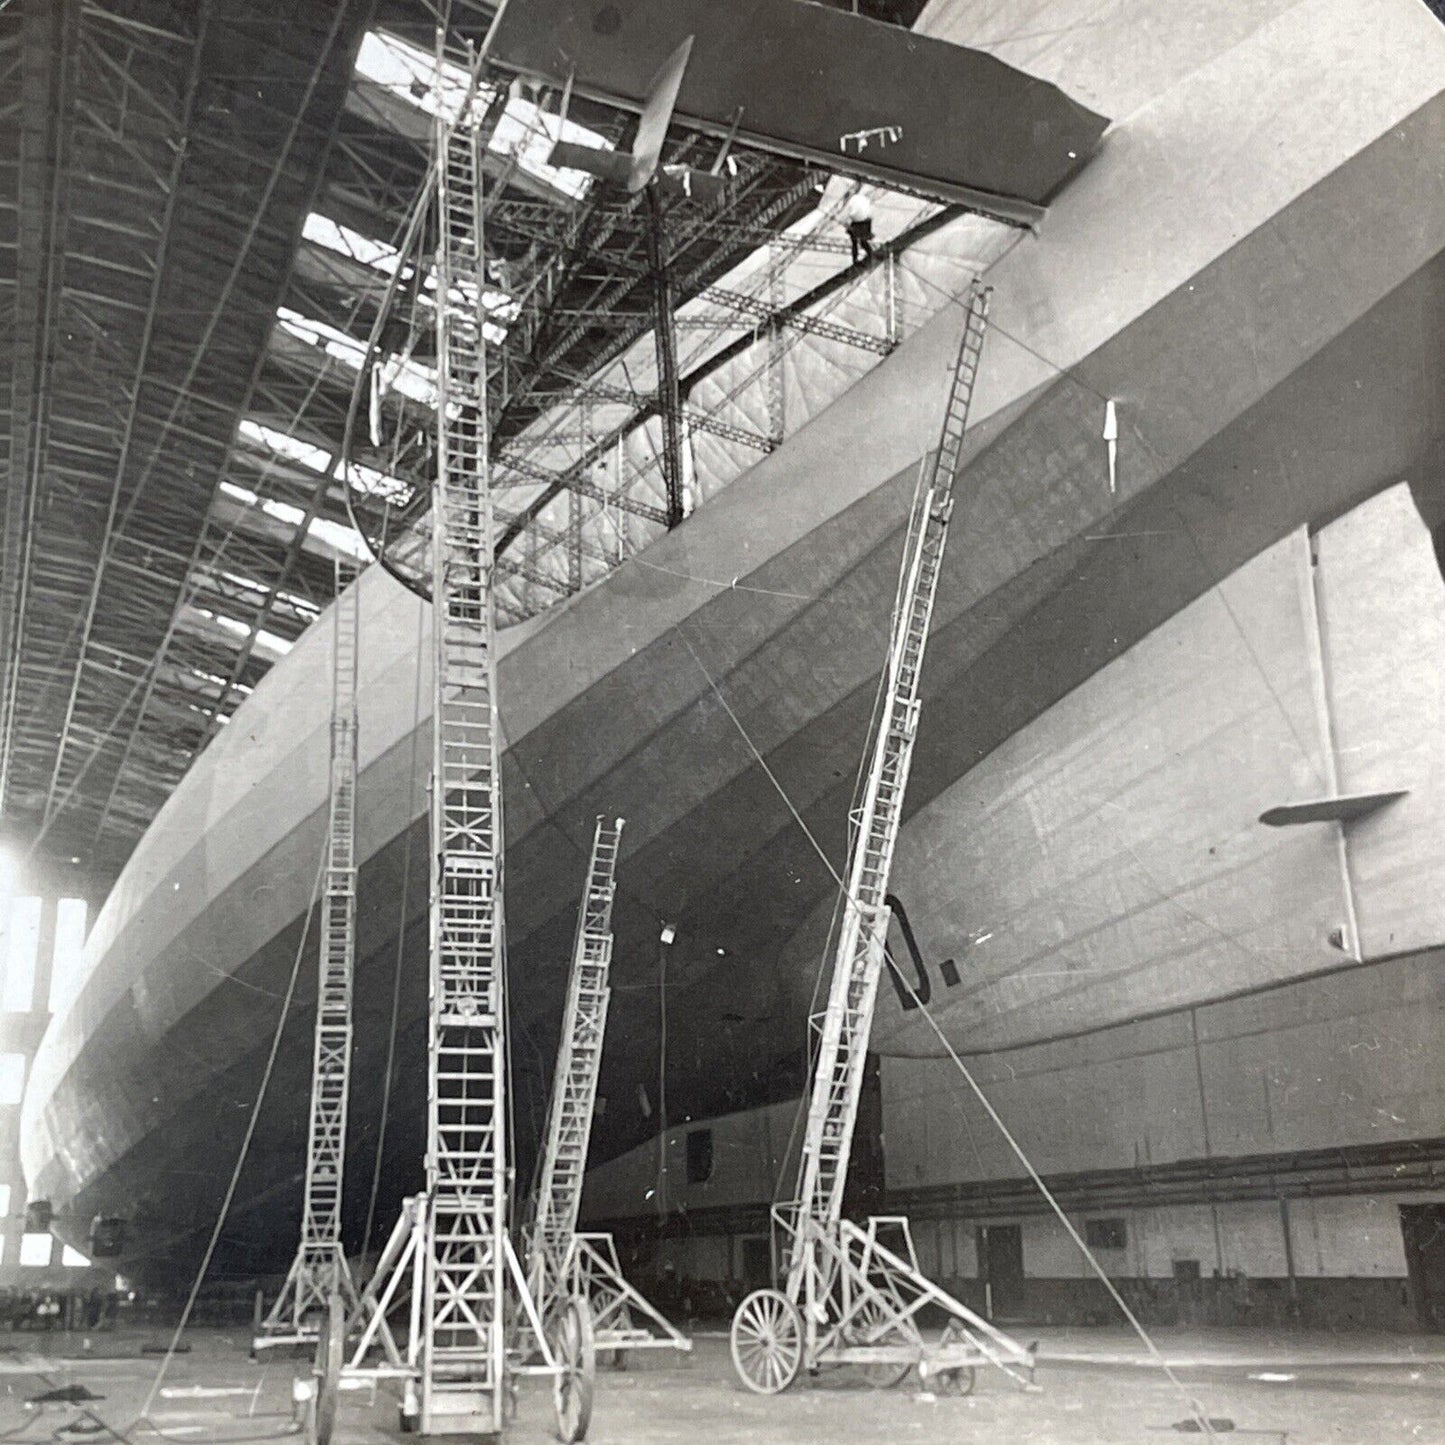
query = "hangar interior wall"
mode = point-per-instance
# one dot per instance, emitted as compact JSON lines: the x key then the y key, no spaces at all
{"x":1244,"y":1159}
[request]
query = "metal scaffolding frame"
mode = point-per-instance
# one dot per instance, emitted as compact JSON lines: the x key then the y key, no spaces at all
{"x":562,"y":1261}
{"x":319,"y":1273}
{"x":853,"y":1294}
{"x":473,"y":1325}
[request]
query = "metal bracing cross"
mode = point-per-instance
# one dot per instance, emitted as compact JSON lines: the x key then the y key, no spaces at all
{"x":848,"y":1298}
{"x":319,"y":1270}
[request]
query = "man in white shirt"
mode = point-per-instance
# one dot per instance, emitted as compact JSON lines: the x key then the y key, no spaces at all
{"x":860,"y":226}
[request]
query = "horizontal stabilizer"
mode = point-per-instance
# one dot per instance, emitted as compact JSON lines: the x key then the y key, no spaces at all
{"x":606,"y":165}
{"x":852,"y":94}
{"x":1329,"y":810}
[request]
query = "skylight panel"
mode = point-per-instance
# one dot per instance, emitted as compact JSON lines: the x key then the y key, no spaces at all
{"x":410,"y":73}
{"x":266,"y":641}
{"x":398,"y":373}
{"x":523,"y":131}
{"x":323,"y":231}
{"x":373,"y":483}
{"x":332,"y":535}
{"x":314,"y":458}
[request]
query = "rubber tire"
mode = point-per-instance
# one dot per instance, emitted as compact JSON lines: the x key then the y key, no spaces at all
{"x":767,"y":1337}
{"x":958,"y":1381}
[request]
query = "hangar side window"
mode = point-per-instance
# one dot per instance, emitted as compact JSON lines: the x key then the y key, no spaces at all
{"x":36,"y":1249}
{"x":22,"y":952}
{"x":1106,"y":1233}
{"x":699,"y":1156}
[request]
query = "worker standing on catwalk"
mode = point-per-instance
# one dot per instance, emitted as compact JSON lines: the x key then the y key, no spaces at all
{"x":860,"y":226}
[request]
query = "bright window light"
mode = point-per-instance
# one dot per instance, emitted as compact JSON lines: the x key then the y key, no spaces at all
{"x":36,"y":1249}
{"x":21,"y":952}
{"x":323,"y":231}
{"x":291,"y":448}
{"x":373,"y":483}
{"x":330,"y":534}
{"x":382,"y":257}
{"x":12,"y":1078}
{"x":340,"y":539}
{"x":67,"y":962}
{"x":4,"y":1200}
{"x":73,"y":1258}
{"x":408,"y":377}
{"x":267,"y":641}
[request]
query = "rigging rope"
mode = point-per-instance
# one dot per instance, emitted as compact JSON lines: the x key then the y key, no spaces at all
{"x":1195,"y":1409}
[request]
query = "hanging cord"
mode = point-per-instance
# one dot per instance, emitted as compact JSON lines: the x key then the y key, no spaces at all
{"x":1193,"y":1405}
{"x":225,"y":1209}
{"x":387,"y":1080}
{"x":662,"y":1079}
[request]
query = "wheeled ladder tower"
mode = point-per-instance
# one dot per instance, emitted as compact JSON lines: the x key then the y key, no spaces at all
{"x":561,"y":1262}
{"x":853,"y":1294}
{"x":319,"y":1271}
{"x":472,"y":1326}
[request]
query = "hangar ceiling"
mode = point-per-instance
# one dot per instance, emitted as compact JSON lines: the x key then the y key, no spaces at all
{"x":201,"y":209}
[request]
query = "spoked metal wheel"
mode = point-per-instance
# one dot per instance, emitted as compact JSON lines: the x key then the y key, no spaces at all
{"x":576,"y":1355}
{"x":870,"y":1326}
{"x":767,"y":1341}
{"x":330,"y":1350}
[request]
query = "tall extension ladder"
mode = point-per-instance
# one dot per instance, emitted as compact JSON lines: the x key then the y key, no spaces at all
{"x":319,"y":1271}
{"x":851,"y":1296}
{"x":472,"y":1324}
{"x":562,"y":1261}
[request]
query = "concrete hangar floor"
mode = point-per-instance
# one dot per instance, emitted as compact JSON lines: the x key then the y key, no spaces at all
{"x":1098,"y":1387}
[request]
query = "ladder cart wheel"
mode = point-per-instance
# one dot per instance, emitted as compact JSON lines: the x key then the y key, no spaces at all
{"x":959,"y":1380}
{"x":576,"y":1356}
{"x":767,"y":1341}
{"x":330,"y":1351}
{"x":870,"y":1327}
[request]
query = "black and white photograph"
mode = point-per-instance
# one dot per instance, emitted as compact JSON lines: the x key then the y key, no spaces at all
{"x":722,"y":721}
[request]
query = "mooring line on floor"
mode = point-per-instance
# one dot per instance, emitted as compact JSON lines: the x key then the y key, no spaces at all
{"x":245,"y":1149}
